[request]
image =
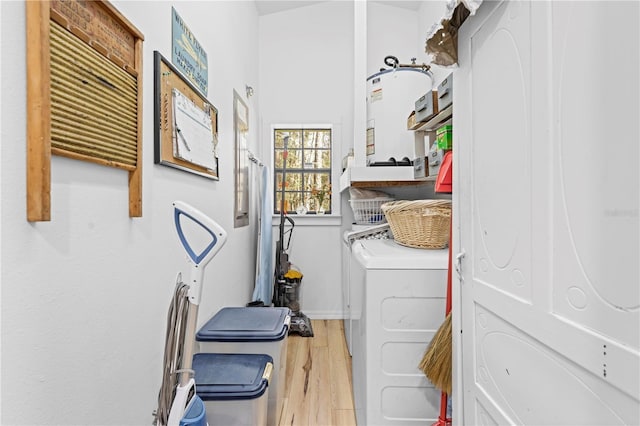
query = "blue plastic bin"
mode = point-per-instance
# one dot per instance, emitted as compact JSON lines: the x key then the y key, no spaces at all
{"x":234,"y":387}
{"x":252,"y":330}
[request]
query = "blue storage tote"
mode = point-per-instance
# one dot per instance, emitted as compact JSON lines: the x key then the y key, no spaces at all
{"x":234,"y":387}
{"x":252,"y":330}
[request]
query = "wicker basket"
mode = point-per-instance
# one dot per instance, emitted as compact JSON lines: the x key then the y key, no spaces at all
{"x":420,"y":223}
{"x":368,"y":211}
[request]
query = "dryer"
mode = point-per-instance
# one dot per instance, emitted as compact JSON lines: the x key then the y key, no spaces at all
{"x":357,"y":232}
{"x":397,"y":303}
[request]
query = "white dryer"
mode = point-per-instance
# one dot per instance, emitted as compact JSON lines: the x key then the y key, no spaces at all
{"x":397,"y":303}
{"x":357,"y":232}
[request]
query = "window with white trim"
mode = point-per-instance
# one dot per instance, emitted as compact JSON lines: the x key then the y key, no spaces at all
{"x":307,"y":175}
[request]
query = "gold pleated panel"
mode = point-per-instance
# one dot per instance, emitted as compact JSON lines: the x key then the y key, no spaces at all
{"x":94,"y":110}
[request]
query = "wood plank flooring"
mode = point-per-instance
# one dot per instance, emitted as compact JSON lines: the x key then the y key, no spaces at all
{"x":318,"y":388}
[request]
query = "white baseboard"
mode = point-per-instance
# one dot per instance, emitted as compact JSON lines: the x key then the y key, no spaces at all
{"x":328,"y":315}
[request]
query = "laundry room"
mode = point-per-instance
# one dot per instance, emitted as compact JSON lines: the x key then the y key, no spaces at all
{"x":341,"y":212}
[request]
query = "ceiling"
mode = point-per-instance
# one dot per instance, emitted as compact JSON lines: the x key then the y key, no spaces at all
{"x":266,"y":7}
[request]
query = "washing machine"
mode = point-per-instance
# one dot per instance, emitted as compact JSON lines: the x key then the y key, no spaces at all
{"x":397,"y":303}
{"x":357,"y":232}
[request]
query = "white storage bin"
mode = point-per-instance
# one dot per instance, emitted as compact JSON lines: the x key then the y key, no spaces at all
{"x":233,"y":387}
{"x":368,"y":211}
{"x":252,"y":330}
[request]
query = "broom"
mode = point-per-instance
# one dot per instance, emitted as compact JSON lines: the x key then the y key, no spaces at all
{"x":436,"y":362}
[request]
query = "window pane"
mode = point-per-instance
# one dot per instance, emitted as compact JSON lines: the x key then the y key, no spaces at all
{"x":293,"y":182}
{"x":318,"y":188}
{"x":308,"y":174}
{"x":317,"y":138}
{"x":277,"y":159}
{"x":316,"y":180}
{"x":291,"y":201}
{"x":294,"y":158}
{"x":295,"y":138}
{"x":317,"y":159}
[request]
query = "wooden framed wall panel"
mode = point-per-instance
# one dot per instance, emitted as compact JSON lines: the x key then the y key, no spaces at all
{"x":84,"y":94}
{"x":168,"y":136}
{"x":38,"y":113}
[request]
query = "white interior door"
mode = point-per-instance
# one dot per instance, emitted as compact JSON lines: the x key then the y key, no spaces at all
{"x":546,"y":211}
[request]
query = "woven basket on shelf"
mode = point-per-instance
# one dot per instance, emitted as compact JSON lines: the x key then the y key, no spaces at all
{"x":419,"y":223}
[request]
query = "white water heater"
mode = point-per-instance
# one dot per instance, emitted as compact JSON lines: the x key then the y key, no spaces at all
{"x":391,"y":96}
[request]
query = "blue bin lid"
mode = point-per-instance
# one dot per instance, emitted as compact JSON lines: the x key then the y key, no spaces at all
{"x":246,"y":324}
{"x":230,"y":376}
{"x":195,"y":414}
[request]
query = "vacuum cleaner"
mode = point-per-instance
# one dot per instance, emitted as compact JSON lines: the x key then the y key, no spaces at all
{"x":288,"y":280}
{"x":178,"y":403}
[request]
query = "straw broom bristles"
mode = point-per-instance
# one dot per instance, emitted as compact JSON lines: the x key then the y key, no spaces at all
{"x":436,"y":362}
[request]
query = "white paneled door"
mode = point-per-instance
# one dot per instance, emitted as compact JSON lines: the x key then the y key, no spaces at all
{"x":546,"y":202}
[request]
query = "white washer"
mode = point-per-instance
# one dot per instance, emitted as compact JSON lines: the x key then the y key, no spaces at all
{"x":358,"y":232}
{"x":346,"y":272}
{"x":397,"y":303}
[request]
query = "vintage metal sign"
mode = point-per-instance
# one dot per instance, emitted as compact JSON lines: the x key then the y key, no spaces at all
{"x":188,"y":55}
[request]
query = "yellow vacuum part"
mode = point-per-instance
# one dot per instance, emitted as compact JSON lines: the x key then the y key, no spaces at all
{"x":293,"y":275}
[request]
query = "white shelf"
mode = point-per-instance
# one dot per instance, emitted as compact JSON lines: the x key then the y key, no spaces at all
{"x":380,"y":176}
{"x":367,"y":174}
{"x":438,"y":120}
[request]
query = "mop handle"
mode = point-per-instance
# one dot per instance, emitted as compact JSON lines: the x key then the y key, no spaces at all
{"x":218,"y":238}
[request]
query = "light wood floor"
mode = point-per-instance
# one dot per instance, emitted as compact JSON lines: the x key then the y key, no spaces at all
{"x":318,"y":389}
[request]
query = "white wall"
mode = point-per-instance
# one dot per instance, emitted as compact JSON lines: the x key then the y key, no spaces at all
{"x":391,"y":31}
{"x":306,"y":76}
{"x":402,"y":33}
{"x":85,"y":296}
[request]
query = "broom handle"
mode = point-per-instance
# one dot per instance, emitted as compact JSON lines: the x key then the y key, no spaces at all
{"x":442,"y":419}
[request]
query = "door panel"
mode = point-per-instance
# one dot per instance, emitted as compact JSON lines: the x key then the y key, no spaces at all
{"x":546,"y":215}
{"x":595,"y":205}
{"x":501,"y":153}
{"x":535,"y":385}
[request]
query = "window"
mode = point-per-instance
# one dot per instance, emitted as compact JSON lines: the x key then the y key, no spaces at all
{"x":307,"y":187}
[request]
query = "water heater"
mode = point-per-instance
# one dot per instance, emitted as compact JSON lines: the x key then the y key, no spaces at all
{"x":391,"y":96}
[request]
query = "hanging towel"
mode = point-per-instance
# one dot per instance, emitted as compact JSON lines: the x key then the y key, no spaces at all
{"x":263,"y":290}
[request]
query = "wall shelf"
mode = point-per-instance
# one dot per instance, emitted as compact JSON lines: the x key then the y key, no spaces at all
{"x":438,"y":120}
{"x":375,"y":177}
{"x":389,"y":183}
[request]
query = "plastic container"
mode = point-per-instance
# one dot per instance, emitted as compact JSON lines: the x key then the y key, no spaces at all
{"x":252,"y":330}
{"x":444,"y":136}
{"x":233,"y":387}
{"x":368,"y":211}
{"x":195,"y":414}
